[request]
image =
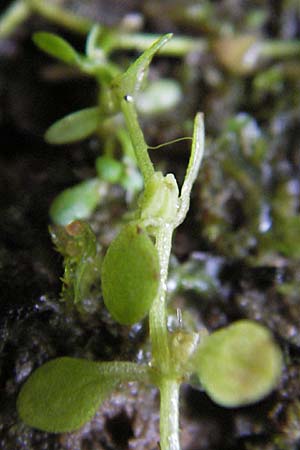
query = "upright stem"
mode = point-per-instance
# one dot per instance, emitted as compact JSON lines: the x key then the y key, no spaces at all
{"x":158,"y":315}
{"x":169,"y":414}
{"x":137,"y":138}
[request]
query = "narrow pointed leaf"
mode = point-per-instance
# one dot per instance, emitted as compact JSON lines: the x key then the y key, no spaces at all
{"x":131,"y":82}
{"x":73,"y":127}
{"x":56,"y":46}
{"x":193,"y":167}
{"x":63,"y":394}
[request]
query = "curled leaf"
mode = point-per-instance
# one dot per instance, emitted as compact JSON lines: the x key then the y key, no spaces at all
{"x":63,"y":394}
{"x":130,"y":275}
{"x":239,"y":364}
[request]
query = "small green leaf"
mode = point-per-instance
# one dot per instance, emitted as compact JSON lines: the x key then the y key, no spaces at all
{"x":239,"y":365}
{"x":109,"y":169}
{"x":131,"y":81}
{"x":63,"y":394}
{"x":73,"y":127}
{"x":56,"y":46}
{"x":130,"y":275}
{"x":77,"y":202}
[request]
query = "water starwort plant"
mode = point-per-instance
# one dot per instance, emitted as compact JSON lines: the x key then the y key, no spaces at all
{"x":104,"y":118}
{"x":236,"y":365}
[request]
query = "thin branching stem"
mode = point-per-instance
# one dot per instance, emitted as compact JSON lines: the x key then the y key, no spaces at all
{"x":61,"y":16}
{"x":137,"y":137}
{"x":15,"y":14}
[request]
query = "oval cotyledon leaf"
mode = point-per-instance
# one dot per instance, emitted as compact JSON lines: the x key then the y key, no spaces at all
{"x":63,"y":394}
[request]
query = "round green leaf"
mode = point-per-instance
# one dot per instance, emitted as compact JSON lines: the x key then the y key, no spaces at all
{"x":239,"y":365}
{"x":73,"y":127}
{"x":77,"y":202}
{"x":109,"y":169}
{"x":56,"y":46}
{"x":130,"y":275}
{"x":63,"y":394}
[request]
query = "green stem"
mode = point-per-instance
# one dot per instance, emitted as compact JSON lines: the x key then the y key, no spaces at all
{"x":126,"y":371}
{"x":137,"y":138}
{"x":178,"y":46}
{"x":15,"y":14}
{"x":158,"y":315}
{"x":169,"y":415}
{"x":61,"y":16}
{"x":280,"y":48}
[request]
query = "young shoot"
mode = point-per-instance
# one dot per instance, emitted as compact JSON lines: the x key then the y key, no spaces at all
{"x":237,"y":365}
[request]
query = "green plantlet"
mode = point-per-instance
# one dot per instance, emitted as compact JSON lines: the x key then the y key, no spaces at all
{"x":130,"y":275}
{"x":236,"y":365}
{"x":78,"y":246}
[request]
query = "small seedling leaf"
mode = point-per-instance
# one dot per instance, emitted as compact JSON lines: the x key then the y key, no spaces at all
{"x":131,"y":81}
{"x":77,"y":202}
{"x":57,"y":47}
{"x":239,"y":364}
{"x":130,"y":275}
{"x":73,"y":127}
{"x":109,"y":169}
{"x":63,"y":394}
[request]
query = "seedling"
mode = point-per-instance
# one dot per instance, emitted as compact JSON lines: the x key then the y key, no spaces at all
{"x":237,"y":365}
{"x":104,"y":118}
